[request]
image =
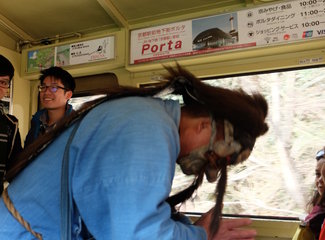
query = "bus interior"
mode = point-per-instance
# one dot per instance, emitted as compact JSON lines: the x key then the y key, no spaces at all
{"x":132,"y":41}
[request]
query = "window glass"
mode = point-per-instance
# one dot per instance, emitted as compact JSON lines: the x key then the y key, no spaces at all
{"x":278,"y":177}
{"x":77,"y":102}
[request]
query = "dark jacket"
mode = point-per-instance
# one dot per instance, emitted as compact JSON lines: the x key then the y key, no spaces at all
{"x":315,"y":224}
{"x":38,"y":127}
{"x":315,"y":220}
{"x":10,"y":142}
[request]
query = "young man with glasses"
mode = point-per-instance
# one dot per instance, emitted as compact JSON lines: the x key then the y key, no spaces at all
{"x":10,"y":143}
{"x":56,"y":88}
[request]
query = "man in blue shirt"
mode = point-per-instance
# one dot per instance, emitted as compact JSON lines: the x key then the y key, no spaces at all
{"x":110,"y":174}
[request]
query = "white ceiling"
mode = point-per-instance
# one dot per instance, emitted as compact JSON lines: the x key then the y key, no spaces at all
{"x":35,"y":20}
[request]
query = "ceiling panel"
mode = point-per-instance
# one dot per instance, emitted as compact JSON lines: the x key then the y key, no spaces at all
{"x":135,"y":10}
{"x":42,"y":19}
{"x":34,"y":20}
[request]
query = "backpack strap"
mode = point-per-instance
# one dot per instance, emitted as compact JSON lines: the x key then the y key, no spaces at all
{"x":66,"y":194}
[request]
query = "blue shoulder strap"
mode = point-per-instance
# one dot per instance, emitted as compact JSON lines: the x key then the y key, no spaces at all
{"x":66,"y":195}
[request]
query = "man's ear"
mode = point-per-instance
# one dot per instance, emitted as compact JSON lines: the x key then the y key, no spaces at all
{"x":68,"y":94}
{"x":203,"y":124}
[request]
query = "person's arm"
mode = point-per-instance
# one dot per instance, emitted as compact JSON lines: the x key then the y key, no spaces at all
{"x":30,"y":135}
{"x":17,"y":148}
{"x":14,"y":143}
{"x":229,"y":228}
{"x":34,"y":129}
{"x":315,"y":224}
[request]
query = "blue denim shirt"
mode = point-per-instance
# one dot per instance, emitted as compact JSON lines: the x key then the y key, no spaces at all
{"x":123,"y":160}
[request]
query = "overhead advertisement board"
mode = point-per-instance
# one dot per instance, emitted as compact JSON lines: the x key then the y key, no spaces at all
{"x":72,"y":54}
{"x":266,"y":25}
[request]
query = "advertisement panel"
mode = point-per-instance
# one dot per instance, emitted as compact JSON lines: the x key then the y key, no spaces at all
{"x":72,"y":54}
{"x":269,"y":24}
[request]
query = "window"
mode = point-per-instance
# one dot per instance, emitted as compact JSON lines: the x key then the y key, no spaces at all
{"x":87,"y":88}
{"x":278,"y":178}
{"x":77,"y":102}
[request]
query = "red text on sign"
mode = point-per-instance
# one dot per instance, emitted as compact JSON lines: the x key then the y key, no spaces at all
{"x":147,"y":48}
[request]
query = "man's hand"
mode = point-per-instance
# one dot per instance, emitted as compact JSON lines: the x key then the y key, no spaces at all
{"x":230,"y":229}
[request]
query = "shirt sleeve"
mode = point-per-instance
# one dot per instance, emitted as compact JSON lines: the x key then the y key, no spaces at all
{"x":120,"y":185}
{"x":16,"y":149}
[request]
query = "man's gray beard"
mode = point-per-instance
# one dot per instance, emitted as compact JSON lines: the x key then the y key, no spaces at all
{"x":195,"y":162}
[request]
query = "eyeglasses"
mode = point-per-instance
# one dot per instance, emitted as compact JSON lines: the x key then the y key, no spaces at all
{"x":53,"y":89}
{"x":4,"y":83}
{"x":320,"y":154}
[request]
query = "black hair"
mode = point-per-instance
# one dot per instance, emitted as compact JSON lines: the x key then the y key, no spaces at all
{"x":247,"y":112}
{"x":60,"y":74}
{"x":6,"y":68}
